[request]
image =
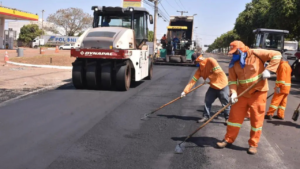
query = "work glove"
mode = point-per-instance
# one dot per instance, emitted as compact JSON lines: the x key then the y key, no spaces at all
{"x":277,"y":90}
{"x":233,"y":98}
{"x":266,"y":74}
{"x":182,"y":94}
{"x":207,"y":81}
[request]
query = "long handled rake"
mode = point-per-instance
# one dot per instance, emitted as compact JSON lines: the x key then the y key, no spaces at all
{"x":178,"y":98}
{"x":179,"y":148}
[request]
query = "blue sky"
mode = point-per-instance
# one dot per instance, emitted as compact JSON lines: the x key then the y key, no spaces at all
{"x":214,"y":17}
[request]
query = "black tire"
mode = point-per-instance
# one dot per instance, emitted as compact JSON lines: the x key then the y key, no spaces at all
{"x":167,"y":58}
{"x":60,"y":48}
{"x":150,"y":72}
{"x":92,"y":76}
{"x":78,"y":75}
{"x":123,"y":77}
{"x":106,"y":80}
{"x":296,"y":71}
{"x":175,"y":59}
{"x":183,"y":59}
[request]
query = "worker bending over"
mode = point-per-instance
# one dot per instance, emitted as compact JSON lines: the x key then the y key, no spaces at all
{"x":282,"y":90}
{"x":209,"y":69}
{"x":245,"y":68}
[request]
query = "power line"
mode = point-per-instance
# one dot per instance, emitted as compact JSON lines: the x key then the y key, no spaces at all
{"x":181,"y":4}
{"x":177,"y":3}
{"x":164,"y":9}
{"x":170,"y":4}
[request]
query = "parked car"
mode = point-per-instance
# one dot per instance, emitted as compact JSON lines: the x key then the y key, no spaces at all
{"x":66,"y":47}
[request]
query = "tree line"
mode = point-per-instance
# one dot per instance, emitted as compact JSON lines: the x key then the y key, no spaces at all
{"x":271,"y":14}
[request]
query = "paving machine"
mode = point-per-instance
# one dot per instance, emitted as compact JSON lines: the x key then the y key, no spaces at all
{"x":114,"y":52}
{"x":179,"y":46}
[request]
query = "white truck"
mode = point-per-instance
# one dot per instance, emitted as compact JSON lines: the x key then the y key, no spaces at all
{"x":291,"y":47}
{"x":114,"y":52}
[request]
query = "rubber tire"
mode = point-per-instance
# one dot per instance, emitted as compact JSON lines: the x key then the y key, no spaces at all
{"x":78,"y":75}
{"x":150,"y":72}
{"x":167,"y":59}
{"x":92,"y":76}
{"x":175,"y":59}
{"x":123,"y":77}
{"x":61,"y":49}
{"x":106,"y":79}
{"x":296,"y":71}
{"x":183,"y":59}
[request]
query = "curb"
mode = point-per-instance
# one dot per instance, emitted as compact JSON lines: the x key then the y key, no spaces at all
{"x":40,"y":66}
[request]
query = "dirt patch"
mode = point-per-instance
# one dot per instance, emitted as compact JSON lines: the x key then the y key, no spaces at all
{"x":7,"y":94}
{"x":54,"y":60}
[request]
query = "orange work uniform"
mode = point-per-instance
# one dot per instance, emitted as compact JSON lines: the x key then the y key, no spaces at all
{"x":209,"y":68}
{"x":253,"y":101}
{"x":283,"y":81}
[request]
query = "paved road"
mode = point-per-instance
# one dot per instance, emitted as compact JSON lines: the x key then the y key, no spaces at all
{"x":67,"y":128}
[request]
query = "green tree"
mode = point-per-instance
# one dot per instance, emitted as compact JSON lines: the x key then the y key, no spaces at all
{"x":150,"y":36}
{"x":73,"y":20}
{"x":30,"y":32}
{"x":224,"y":40}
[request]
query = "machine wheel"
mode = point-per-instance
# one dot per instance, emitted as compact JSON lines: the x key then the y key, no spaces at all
{"x":92,"y":76}
{"x":296,"y":71}
{"x":78,"y":75}
{"x":106,"y":80}
{"x":167,"y":58}
{"x":150,"y":72}
{"x":183,"y":59}
{"x":175,"y":59}
{"x":123,"y":77}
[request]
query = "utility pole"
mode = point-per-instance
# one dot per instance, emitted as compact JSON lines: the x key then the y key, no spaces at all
{"x":182,"y":12}
{"x":43,"y":19}
{"x":155,"y":23}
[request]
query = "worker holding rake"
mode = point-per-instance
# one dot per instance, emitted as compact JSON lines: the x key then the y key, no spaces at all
{"x":245,"y":69}
{"x":210,"y":70}
{"x":282,"y":90}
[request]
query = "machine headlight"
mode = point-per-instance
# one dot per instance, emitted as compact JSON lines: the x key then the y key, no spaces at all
{"x":131,"y":9}
{"x":96,"y":9}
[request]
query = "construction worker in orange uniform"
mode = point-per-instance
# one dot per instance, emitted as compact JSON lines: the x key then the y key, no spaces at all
{"x":245,"y":68}
{"x":210,"y":70}
{"x":282,"y":90}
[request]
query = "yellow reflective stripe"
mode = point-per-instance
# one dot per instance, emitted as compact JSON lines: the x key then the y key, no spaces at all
{"x":276,"y":57}
{"x":216,"y":68}
{"x":283,"y":108}
{"x":195,"y":79}
{"x":275,"y":107}
{"x":232,"y":82}
{"x":250,"y":80}
{"x":283,"y":82}
{"x":234,"y":124}
{"x":256,"y":129}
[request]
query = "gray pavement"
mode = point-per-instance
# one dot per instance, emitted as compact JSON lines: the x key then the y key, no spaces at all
{"x":68,"y":128}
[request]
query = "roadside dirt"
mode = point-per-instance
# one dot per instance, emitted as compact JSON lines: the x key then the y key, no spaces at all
{"x":19,"y":80}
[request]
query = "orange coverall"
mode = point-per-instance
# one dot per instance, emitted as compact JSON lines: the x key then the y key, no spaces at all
{"x":209,"y":68}
{"x":253,"y":101}
{"x":283,"y":81}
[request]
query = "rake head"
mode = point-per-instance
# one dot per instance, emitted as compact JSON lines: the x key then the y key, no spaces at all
{"x":145,"y":117}
{"x":295,"y":115}
{"x":179,"y":148}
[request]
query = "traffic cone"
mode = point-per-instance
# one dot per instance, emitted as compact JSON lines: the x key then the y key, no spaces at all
{"x":6,"y":59}
{"x":56,"y":50}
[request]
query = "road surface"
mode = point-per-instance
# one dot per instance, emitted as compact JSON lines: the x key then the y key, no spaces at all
{"x":67,"y":128}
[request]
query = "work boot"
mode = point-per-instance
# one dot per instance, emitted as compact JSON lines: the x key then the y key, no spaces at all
{"x":268,"y":117}
{"x":277,"y":117}
{"x":252,"y":150}
{"x":203,"y":120}
{"x":222,"y":144}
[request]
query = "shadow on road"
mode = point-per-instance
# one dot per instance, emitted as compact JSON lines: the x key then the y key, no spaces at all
{"x":207,"y":142}
{"x":285,"y":123}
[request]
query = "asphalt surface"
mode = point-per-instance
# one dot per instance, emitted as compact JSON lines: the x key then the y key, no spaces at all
{"x":68,"y":128}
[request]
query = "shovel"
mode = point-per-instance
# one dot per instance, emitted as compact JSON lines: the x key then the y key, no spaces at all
{"x":178,"y":98}
{"x":180,"y":147}
{"x":296,"y":113}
